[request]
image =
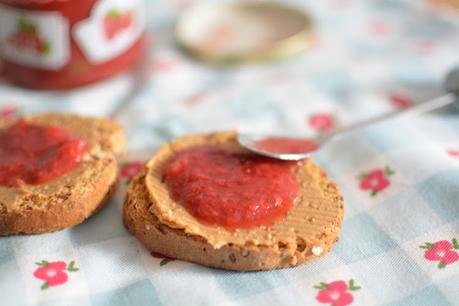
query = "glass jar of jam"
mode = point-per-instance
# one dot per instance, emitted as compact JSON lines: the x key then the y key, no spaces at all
{"x":61,"y":44}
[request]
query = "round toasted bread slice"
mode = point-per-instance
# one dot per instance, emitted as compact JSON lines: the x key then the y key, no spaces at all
{"x":308,"y":231}
{"x":70,"y":199}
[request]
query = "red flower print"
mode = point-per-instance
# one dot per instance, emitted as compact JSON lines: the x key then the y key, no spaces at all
{"x":336,"y":293}
{"x":401,"y":101}
{"x":165,"y":259}
{"x":321,"y":122}
{"x":194,"y":99}
{"x":53,"y":273}
{"x":8,"y":112}
{"x":163,"y":64}
{"x":454,"y":153}
{"x":442,"y":251}
{"x":424,"y":47}
{"x":378,"y":28}
{"x":129,"y":170}
{"x":376,"y":180}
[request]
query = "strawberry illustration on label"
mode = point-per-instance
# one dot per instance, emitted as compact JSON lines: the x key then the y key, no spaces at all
{"x":27,"y":38}
{"x":111,"y":29}
{"x":116,"y":22}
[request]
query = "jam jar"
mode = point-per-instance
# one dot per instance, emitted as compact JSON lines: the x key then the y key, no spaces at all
{"x":61,"y":44}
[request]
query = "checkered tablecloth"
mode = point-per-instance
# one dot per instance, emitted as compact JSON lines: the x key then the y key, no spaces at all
{"x":400,"y":179}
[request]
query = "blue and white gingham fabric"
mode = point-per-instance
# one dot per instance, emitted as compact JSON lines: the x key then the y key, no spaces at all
{"x":371,"y":57}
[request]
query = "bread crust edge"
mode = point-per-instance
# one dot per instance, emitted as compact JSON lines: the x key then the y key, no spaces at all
{"x":58,"y":216}
{"x":176,"y":243}
{"x":80,"y":204}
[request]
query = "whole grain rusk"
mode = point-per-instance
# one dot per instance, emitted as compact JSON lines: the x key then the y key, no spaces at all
{"x":309,"y":230}
{"x":75,"y":196}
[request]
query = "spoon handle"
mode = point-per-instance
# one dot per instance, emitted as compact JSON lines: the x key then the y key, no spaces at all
{"x":417,"y":109}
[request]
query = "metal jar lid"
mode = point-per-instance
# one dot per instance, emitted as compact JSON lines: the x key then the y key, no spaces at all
{"x":241,"y":32}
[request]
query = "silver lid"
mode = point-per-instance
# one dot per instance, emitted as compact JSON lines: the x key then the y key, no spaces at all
{"x":240,"y":32}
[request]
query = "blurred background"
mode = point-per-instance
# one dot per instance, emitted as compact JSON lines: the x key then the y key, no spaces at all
{"x":359,"y":58}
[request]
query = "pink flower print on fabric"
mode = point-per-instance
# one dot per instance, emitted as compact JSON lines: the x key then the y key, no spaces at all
{"x":443,"y":251}
{"x":454,"y":153}
{"x":336,"y":293}
{"x":322,"y":122}
{"x":131,"y":169}
{"x":165,"y":259}
{"x":53,"y":273}
{"x":376,"y":180}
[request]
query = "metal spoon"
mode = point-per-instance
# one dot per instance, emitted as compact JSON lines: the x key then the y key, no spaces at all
{"x":252,"y":141}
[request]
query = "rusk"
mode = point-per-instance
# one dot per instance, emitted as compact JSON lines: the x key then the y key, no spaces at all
{"x":309,"y":230}
{"x":75,"y":196}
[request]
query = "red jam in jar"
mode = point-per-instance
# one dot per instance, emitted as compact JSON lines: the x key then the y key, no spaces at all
{"x":36,"y":154}
{"x":231,"y":189}
{"x":60,"y":44}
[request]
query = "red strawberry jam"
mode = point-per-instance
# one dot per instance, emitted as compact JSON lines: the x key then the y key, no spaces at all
{"x":231,"y":189}
{"x":286,"y":145}
{"x":36,"y":154}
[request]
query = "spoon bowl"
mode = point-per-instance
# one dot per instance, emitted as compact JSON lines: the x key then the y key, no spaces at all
{"x":258,"y":144}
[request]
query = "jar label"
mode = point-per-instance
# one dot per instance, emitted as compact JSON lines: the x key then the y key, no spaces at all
{"x":111,"y":29}
{"x":34,"y":39}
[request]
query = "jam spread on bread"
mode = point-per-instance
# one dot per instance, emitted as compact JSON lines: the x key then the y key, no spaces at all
{"x":36,"y":154}
{"x":233,"y":189}
{"x":286,"y":145}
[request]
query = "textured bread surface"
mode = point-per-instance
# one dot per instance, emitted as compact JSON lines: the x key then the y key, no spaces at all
{"x":75,"y":196}
{"x":309,"y":230}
